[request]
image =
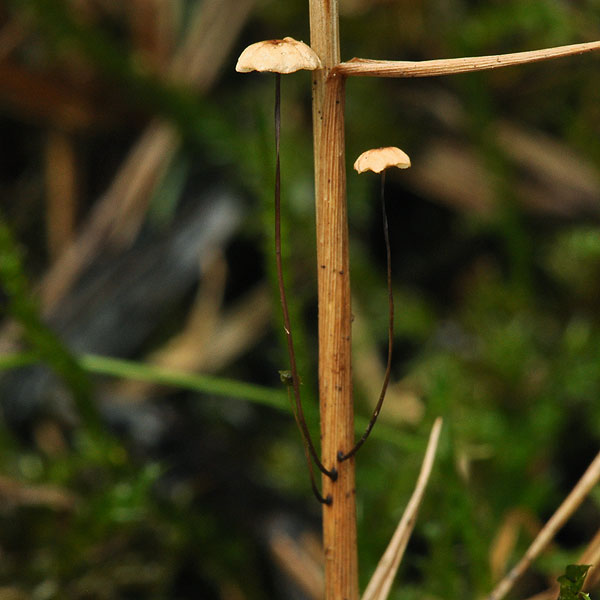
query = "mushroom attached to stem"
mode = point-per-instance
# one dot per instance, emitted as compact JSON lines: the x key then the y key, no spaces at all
{"x":378,"y":160}
{"x":278,"y":56}
{"x":286,"y":56}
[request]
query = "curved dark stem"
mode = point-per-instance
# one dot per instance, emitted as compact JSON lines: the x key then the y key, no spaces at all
{"x":388,"y":369}
{"x":311,"y":472}
{"x":300,"y":419}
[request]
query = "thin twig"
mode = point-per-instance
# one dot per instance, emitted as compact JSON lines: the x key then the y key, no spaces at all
{"x":388,"y":368}
{"x":590,"y":556}
{"x":589,"y":479}
{"x":362,"y":67}
{"x":299,"y":413}
{"x":381,"y":582}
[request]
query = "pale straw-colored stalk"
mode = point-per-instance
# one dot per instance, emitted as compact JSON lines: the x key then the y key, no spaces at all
{"x":577,"y":495}
{"x":362,"y":67}
{"x":382,"y":579}
{"x":335,"y":370}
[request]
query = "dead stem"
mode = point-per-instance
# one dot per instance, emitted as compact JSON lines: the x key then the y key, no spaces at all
{"x":590,"y":556}
{"x":383,"y":577}
{"x":589,"y":479}
{"x":362,"y":67}
{"x":334,"y":301}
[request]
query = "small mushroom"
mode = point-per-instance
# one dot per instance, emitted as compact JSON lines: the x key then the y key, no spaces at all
{"x":286,"y":56}
{"x":278,"y":56}
{"x":378,"y":160}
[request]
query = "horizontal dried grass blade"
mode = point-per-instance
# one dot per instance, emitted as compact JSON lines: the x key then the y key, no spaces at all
{"x":362,"y":67}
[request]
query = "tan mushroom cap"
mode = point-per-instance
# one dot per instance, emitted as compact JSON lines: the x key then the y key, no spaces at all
{"x":278,"y":56}
{"x":378,"y":159}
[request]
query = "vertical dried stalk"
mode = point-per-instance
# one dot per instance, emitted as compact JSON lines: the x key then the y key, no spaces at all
{"x":335,"y":375}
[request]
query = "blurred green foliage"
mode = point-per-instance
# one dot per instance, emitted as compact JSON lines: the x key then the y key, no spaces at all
{"x":45,"y":344}
{"x":497,"y":323}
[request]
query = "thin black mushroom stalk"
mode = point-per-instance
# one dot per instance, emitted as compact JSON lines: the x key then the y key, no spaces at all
{"x":286,"y":56}
{"x":379,"y":160}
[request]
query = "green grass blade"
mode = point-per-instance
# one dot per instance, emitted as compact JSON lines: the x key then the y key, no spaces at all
{"x":208,"y":384}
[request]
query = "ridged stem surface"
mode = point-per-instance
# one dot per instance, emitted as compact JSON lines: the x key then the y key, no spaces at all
{"x":335,"y":372}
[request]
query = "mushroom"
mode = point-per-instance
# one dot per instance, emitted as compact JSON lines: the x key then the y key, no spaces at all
{"x":286,"y":56}
{"x":378,"y":160}
{"x":278,"y":56}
